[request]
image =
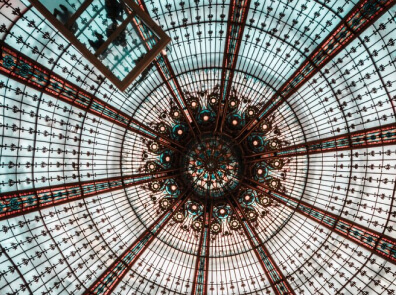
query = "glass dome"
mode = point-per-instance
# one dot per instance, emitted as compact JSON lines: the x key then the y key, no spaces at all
{"x":255,"y":155}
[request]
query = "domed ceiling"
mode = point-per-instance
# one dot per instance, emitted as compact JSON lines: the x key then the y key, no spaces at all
{"x":255,"y":155}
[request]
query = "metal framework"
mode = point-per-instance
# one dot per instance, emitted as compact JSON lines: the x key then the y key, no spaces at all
{"x":237,"y":13}
{"x":172,"y":84}
{"x":381,"y":245}
{"x":364,"y":14}
{"x":279,"y":283}
{"x":112,"y":276}
{"x":190,"y":260}
{"x":28,"y":71}
{"x":27,"y":201}
{"x":368,"y":138}
{"x":200,"y":283}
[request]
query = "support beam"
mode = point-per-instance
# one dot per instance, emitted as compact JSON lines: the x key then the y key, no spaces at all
{"x":372,"y":137}
{"x":362,"y":16}
{"x":237,"y":16}
{"x":168,"y":76}
{"x":113,"y":275}
{"x":200,"y":284}
{"x":27,"y":71}
{"x":274,"y":275}
{"x":22,"y":202}
{"x":385,"y":247}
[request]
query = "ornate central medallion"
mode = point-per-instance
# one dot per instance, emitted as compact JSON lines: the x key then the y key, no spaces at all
{"x":212,"y":166}
{"x":206,"y":159}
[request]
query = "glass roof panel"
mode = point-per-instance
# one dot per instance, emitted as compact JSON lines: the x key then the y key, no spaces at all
{"x":91,"y":186}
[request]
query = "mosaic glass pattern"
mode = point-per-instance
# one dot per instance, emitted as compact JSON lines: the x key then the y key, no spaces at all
{"x":297,"y":100}
{"x":213,"y":167}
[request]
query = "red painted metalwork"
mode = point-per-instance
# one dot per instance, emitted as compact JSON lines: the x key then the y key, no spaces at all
{"x":279,"y":283}
{"x":377,"y":243}
{"x":364,"y":14}
{"x":40,"y":78}
{"x":168,"y":76}
{"x":26,"y":201}
{"x":237,"y":12}
{"x":368,"y":138}
{"x":113,"y":275}
{"x":200,"y":283}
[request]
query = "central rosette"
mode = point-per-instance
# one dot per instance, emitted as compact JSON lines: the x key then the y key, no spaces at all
{"x":212,"y":166}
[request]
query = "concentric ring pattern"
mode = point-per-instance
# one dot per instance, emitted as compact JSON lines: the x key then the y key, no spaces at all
{"x":255,"y":156}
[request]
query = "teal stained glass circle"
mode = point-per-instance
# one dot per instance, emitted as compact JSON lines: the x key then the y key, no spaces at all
{"x":212,"y":167}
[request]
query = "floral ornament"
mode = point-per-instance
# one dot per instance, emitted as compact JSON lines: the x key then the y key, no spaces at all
{"x":24,"y":70}
{"x":8,"y":61}
{"x":212,"y":168}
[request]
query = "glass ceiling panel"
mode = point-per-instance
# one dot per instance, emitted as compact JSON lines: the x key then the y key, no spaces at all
{"x":47,"y":141}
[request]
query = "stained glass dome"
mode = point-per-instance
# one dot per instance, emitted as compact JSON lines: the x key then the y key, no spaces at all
{"x":212,"y":167}
{"x":254,"y":153}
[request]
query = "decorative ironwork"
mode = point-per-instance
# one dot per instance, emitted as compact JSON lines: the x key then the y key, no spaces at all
{"x":190,"y":182}
{"x":22,"y":202}
{"x":382,"y":246}
{"x":200,"y":283}
{"x":275,"y":276}
{"x":238,"y":12}
{"x":373,"y":137}
{"x":212,"y":167}
{"x":22,"y":68}
{"x":107,"y":282}
{"x":167,"y":74}
{"x":359,"y":19}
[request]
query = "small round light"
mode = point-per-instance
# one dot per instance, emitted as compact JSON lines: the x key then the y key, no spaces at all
{"x":162,"y":128}
{"x":222,"y":211}
{"x":255,"y":142}
{"x":176,"y":114}
{"x":151,"y":166}
{"x":213,"y":100}
{"x":206,"y":118}
{"x":260,"y":171}
{"x":180,"y":132}
{"x":194,"y":207}
{"x":250,"y":113}
{"x":234,"y":122}
{"x":233,"y":103}
{"x":247,"y":198}
{"x":173,"y":187}
{"x":194,"y":104}
{"x":265,"y":201}
{"x":167,"y":158}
